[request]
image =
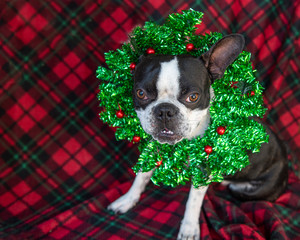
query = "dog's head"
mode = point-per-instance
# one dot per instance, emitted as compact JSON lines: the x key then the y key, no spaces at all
{"x":172,"y":93}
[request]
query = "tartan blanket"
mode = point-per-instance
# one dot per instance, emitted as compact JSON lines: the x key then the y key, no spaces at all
{"x":60,"y":166}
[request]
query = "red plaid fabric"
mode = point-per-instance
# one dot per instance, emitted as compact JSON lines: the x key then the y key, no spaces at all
{"x":60,"y":166}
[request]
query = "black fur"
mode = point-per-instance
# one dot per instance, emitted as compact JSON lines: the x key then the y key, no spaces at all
{"x":267,"y":173}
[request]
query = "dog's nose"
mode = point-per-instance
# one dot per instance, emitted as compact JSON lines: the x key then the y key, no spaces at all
{"x":165,"y":111}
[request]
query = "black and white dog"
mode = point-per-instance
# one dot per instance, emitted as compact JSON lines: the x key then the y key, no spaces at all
{"x":172,"y":97}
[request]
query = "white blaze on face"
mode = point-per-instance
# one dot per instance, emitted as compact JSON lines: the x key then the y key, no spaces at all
{"x":168,"y":81}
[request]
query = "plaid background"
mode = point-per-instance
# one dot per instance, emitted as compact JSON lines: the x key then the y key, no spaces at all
{"x":60,"y":166}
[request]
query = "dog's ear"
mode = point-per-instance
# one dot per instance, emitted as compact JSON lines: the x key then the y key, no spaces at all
{"x":222,"y":54}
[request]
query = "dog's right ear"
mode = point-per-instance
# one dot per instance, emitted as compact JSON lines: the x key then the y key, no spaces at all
{"x":222,"y":54}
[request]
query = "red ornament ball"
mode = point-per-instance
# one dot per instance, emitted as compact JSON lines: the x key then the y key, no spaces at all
{"x":190,"y":47}
{"x":159,"y":163}
{"x":120,"y":114}
{"x":221,"y":130}
{"x":136,"y":139}
{"x":132,"y":66}
{"x":208,"y":149}
{"x":252,"y":93}
{"x":150,"y":50}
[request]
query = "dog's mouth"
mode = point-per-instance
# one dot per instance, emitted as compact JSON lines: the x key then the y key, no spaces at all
{"x":168,"y":136}
{"x":167,"y":132}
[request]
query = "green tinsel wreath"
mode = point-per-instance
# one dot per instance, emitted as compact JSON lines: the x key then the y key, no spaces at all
{"x":223,"y":148}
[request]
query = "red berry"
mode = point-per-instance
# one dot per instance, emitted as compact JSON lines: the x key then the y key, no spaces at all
{"x":132,"y":66}
{"x":150,"y":50}
{"x":221,"y":130}
{"x":136,"y":139}
{"x":159,"y":163}
{"x":190,"y":47}
{"x":252,"y":93}
{"x":120,"y":114}
{"x":208,"y":149}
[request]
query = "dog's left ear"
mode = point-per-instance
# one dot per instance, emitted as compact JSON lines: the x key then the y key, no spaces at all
{"x":222,"y":54}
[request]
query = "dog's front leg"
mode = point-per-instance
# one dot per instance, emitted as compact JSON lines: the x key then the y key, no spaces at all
{"x":128,"y":200}
{"x":190,"y":227}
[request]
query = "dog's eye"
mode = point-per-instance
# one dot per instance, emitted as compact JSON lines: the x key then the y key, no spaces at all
{"x":192,"y":98}
{"x":141,"y":94}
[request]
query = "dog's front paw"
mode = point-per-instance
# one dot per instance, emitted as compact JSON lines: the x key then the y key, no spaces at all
{"x":124,"y":203}
{"x":189,"y":231}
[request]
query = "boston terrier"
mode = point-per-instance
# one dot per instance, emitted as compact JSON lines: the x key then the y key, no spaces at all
{"x":172,"y":96}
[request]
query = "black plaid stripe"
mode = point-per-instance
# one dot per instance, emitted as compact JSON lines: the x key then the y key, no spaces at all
{"x":60,"y":167}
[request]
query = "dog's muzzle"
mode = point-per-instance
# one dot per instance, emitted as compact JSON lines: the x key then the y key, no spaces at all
{"x":167,"y":119}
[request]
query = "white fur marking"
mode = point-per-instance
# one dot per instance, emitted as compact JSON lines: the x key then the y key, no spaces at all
{"x":128,"y":200}
{"x":202,"y":117}
{"x":168,"y":80}
{"x":241,"y":186}
{"x":190,"y":227}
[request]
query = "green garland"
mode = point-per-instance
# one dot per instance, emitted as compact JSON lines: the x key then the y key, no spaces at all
{"x":223,"y":148}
